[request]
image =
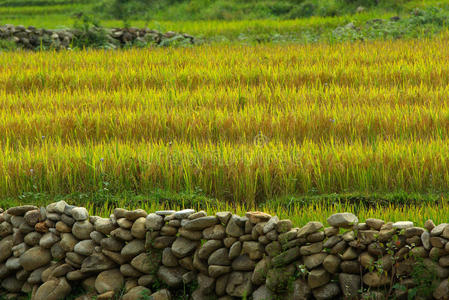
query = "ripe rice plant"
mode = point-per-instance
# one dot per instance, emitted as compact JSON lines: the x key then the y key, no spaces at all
{"x":244,"y":124}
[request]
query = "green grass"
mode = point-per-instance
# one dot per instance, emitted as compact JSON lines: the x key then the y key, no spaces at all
{"x":182,"y":16}
{"x":244,"y":22}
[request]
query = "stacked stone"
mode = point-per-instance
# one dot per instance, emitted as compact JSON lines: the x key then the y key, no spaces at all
{"x":46,"y":251}
{"x":34,"y":38}
{"x":146,"y":35}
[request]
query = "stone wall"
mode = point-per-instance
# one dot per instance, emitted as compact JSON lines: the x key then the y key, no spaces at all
{"x":49,"y":251}
{"x":33,"y":38}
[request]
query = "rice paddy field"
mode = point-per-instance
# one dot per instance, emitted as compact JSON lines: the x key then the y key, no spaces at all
{"x":245,"y":125}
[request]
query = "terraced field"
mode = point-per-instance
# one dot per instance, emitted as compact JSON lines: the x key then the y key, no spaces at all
{"x":243,"y":124}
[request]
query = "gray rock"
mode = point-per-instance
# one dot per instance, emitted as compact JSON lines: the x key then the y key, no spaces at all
{"x":183,"y":214}
{"x":191,"y":235}
{"x":413,"y":231}
{"x":79,"y":213}
{"x":5,"y":229}
{"x":119,"y":213}
{"x":375,"y":279}
{"x":97,"y":262}
{"x":197,"y":215}
{"x":205,"y":284}
{"x":219,"y":257}
{"x":300,"y":290}
{"x":122,"y":234}
{"x":309,"y":228}
{"x":68,"y":242}
{"x":216,"y":232}
{"x":349,"y":285}
{"x":133,"y":215}
{"x":318,"y":277}
{"x":168,"y":259}
{"x":201,"y":223}
{"x":163,"y":294}
{"x":56,"y":207}
{"x":19,"y":249}
{"x":36,"y":275}
{"x":129,"y":271}
{"x":32,"y":217}
{"x":263,"y":293}
{"x":311,"y":249}
{"x":235,"y":250}
{"x":442,"y":290}
{"x":146,"y":280}
{"x":31,"y":239}
{"x":402,"y":225}
{"x":54,"y":289}
{"x":234,"y":227}
{"x":425,"y":239}
{"x":110,"y":280}
{"x":12,"y":284}
{"x":20,"y":210}
{"x":314,"y":260}
{"x":375,"y":224}
{"x":85,"y":247}
{"x":132,"y":249}
{"x":104,"y":225}
{"x":286,"y":257}
{"x":145,"y":263}
{"x":57,"y":252}
{"x":165,"y":212}
{"x":284,"y":226}
{"x":34,"y":258}
{"x":112,"y":244}
{"x":17,"y":221}
{"x":183,"y":247}
{"x":6,"y":245}
{"x":171,"y":276}
{"x":326,"y":292}
{"x":342,"y":220}
{"x":97,"y":236}
{"x":271,"y":224}
{"x":137,"y":293}
{"x":243,"y":263}
{"x":48,"y":240}
{"x":13,"y":264}
{"x":62,"y":227}
{"x":67,"y":220}
{"x":239,"y":284}
{"x":138,"y":229}
{"x":224,"y":217}
{"x":217,"y":271}
{"x":82,"y":229}
{"x":207,"y":248}
{"x":260,"y":271}
{"x":154,"y":222}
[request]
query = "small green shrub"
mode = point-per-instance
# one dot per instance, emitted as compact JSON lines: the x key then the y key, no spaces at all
{"x":305,"y":9}
{"x":7,"y":45}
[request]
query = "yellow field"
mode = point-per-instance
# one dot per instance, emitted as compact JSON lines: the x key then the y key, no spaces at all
{"x":240,"y":123}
